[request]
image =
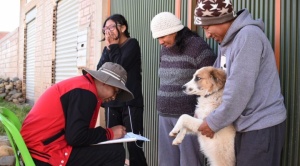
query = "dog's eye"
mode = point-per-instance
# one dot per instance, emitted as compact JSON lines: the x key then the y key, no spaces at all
{"x":197,"y":78}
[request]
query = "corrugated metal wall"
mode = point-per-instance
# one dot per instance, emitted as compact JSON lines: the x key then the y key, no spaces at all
{"x":139,"y":22}
{"x":139,"y":14}
{"x":184,"y":12}
{"x":290,"y":78}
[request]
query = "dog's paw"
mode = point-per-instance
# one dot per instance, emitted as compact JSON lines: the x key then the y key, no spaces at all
{"x":172,"y":134}
{"x":176,"y":142}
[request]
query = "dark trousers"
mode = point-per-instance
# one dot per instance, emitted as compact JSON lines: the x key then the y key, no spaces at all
{"x":132,"y":119}
{"x":94,"y":155}
{"x":260,"y":147}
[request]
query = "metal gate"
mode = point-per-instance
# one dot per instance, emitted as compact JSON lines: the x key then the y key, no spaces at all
{"x":30,"y":55}
{"x":139,"y":14}
{"x":66,"y":40}
{"x":290,"y":78}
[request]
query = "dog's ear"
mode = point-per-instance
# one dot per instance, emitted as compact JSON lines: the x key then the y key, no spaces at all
{"x":219,"y":77}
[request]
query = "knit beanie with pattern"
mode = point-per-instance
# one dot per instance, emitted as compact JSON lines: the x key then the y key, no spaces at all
{"x":211,"y":12}
{"x":165,"y":23}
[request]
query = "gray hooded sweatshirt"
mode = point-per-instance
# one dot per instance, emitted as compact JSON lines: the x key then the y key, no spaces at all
{"x":252,"y":98}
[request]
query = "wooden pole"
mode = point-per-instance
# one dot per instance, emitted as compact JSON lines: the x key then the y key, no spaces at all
{"x":277,"y":33}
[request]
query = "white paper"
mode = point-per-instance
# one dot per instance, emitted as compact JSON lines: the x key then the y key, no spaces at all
{"x":129,"y":137}
{"x":138,"y":137}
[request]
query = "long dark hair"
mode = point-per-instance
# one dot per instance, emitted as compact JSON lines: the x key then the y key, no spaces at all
{"x":182,"y":35}
{"x":118,"y":19}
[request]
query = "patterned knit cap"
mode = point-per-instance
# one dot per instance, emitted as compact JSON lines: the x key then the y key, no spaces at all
{"x":211,"y":12}
{"x":165,"y":23}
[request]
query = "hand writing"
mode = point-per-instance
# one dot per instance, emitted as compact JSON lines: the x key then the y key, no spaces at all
{"x":119,"y":131}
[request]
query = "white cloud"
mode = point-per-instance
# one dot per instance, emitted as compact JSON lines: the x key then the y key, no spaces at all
{"x":9,"y":15}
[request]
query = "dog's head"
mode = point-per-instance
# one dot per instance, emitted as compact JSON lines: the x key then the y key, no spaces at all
{"x":206,"y":81}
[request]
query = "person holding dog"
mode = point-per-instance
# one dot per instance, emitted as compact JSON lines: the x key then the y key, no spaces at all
{"x":122,"y":49}
{"x":61,"y":129}
{"x":182,"y":53}
{"x":252,"y":99}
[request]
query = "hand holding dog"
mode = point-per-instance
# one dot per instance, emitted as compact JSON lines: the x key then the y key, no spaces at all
{"x":119,"y":131}
{"x":204,"y":129}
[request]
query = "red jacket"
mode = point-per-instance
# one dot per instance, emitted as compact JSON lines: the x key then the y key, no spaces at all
{"x":64,"y":117}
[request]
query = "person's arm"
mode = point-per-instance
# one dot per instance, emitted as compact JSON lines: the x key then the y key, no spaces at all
{"x":246,"y":55}
{"x":126,"y":56}
{"x":79,"y":106}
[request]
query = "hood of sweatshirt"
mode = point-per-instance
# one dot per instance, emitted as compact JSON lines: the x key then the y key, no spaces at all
{"x":243,"y":19}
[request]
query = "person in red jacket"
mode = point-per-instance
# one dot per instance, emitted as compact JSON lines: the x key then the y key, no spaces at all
{"x":61,"y":129}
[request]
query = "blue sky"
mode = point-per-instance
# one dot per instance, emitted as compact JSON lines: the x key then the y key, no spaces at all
{"x":9,"y":15}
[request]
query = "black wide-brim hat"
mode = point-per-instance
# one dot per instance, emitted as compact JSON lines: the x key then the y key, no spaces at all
{"x":114,"y":75}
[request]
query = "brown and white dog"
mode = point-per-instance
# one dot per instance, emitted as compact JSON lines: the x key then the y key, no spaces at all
{"x":207,"y":83}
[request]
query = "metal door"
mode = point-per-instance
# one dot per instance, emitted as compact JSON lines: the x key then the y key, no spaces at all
{"x":66,"y":40}
{"x":30,"y":55}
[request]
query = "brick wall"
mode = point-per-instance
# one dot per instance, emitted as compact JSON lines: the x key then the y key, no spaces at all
{"x":9,"y":63}
{"x":92,"y":14}
{"x":86,"y":20}
{"x":43,"y":54}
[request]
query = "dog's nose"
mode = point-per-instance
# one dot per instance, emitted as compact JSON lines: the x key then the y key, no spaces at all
{"x":183,"y":88}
